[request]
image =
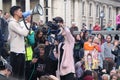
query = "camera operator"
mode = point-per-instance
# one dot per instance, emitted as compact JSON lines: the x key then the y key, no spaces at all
{"x":116,"y":52}
{"x":66,"y":67}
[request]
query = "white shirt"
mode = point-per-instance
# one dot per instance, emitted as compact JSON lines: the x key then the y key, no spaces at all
{"x":16,"y":36}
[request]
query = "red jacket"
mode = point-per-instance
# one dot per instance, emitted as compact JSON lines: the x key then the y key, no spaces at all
{"x":96,"y":28}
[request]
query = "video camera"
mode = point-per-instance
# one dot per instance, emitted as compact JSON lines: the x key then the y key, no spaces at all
{"x":54,"y":29}
{"x":53,"y":26}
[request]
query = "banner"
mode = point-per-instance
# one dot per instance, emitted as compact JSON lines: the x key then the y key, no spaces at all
{"x":91,"y":59}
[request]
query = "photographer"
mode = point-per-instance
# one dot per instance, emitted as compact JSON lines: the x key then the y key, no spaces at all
{"x":116,"y":52}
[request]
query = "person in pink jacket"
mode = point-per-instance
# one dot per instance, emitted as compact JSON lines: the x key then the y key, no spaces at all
{"x":66,"y":67}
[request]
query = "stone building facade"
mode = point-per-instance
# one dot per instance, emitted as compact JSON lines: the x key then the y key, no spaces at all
{"x":79,"y":11}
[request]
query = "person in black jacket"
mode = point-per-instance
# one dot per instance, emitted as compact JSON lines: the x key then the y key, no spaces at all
{"x":116,"y":52}
{"x":38,"y":63}
{"x":78,"y":48}
{"x":5,"y":70}
{"x":3,"y":37}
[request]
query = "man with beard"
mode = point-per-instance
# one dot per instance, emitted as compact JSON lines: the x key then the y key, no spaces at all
{"x":108,"y":57}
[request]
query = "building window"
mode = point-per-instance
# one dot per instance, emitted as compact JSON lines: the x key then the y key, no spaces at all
{"x":104,"y":10}
{"x":90,"y":9}
{"x":97,"y":11}
{"x":109,"y":12}
{"x":83,"y":8}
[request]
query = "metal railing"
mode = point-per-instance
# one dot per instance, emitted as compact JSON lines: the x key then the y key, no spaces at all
{"x":113,"y":33}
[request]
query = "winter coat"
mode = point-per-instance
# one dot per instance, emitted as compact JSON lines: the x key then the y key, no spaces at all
{"x":116,"y":52}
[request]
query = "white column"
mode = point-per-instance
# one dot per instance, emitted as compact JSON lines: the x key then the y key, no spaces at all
{"x":50,"y":10}
{"x":114,"y":17}
{"x":59,"y":8}
{"x":76,"y":9}
{"x":107,"y":15}
{"x":13,"y":2}
{"x":94,"y":14}
{"x":80,"y":15}
{"x":111,"y":18}
{"x":68,"y":13}
{"x":65,"y":10}
{"x":41,"y":2}
{"x":87,"y":14}
{"x":1,"y":4}
{"x":27,"y":5}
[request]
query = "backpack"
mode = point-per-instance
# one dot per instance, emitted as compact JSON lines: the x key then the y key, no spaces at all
{"x":31,"y":38}
{"x":31,"y":35}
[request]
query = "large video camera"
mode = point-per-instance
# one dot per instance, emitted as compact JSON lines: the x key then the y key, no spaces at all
{"x":54,"y":30}
{"x":53,"y":26}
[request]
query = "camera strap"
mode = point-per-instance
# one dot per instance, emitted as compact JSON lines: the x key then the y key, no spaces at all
{"x":25,"y":37}
{"x":25,"y":24}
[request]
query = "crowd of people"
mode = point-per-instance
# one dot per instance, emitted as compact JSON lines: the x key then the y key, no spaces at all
{"x":36,"y":52}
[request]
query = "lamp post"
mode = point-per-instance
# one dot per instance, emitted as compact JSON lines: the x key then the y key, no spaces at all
{"x":46,"y":10}
{"x":102,"y":15}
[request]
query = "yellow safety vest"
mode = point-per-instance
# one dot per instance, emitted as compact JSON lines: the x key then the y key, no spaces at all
{"x":29,"y":50}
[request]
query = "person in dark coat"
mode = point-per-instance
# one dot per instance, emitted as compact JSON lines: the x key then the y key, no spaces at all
{"x":3,"y":37}
{"x":73,"y":28}
{"x":116,"y":52}
{"x":38,"y":63}
{"x":78,"y":48}
{"x":5,"y":70}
